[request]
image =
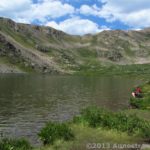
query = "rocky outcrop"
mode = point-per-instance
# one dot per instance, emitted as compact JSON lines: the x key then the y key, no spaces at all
{"x":8,"y":49}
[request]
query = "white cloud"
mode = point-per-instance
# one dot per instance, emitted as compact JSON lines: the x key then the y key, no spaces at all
{"x":28,"y":11}
{"x":25,"y":11}
{"x":51,"y":9}
{"x":77,"y":26}
{"x":13,"y":7}
{"x":89,"y":10}
{"x":127,"y":5}
{"x":133,"y":13}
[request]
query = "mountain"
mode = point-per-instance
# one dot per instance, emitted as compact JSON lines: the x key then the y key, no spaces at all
{"x":25,"y":48}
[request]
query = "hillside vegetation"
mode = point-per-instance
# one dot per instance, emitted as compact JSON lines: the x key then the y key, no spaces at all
{"x":44,"y":49}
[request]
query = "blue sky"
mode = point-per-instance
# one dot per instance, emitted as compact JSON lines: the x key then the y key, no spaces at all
{"x":79,"y":17}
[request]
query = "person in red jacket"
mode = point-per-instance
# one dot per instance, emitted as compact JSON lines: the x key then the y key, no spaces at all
{"x":137,"y":93}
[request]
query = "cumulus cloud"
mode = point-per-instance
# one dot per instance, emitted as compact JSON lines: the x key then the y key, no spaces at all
{"x":14,"y":7}
{"x":51,"y":9}
{"x":127,"y":5}
{"x":27,"y":11}
{"x":89,"y":10}
{"x":77,"y":26}
{"x":133,"y":13}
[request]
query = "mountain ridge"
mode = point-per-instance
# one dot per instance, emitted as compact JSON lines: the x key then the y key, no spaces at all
{"x":47,"y":50}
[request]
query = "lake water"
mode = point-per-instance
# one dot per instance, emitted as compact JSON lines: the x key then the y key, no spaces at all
{"x":27,"y":102}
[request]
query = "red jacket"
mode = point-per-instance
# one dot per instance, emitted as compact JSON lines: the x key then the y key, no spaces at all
{"x":138,"y":90}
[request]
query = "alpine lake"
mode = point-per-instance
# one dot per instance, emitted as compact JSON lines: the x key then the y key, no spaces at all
{"x":27,"y":102}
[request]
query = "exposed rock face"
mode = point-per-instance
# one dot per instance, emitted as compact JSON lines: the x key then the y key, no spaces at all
{"x":47,"y":50}
{"x":8,"y":49}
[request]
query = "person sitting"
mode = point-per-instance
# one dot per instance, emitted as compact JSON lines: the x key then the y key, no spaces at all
{"x":137,"y":93}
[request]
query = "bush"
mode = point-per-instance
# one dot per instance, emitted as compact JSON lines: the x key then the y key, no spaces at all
{"x":96,"y":117}
{"x":10,"y":144}
{"x":145,"y":128}
{"x":142,"y":103}
{"x":54,"y":131}
{"x":135,"y":103}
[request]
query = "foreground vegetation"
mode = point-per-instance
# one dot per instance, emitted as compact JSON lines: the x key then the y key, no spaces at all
{"x":93,"y":125}
{"x":10,"y":144}
{"x":85,"y":135}
{"x":144,"y":102}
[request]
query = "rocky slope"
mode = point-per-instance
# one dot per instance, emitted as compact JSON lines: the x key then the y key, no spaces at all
{"x":44,"y":49}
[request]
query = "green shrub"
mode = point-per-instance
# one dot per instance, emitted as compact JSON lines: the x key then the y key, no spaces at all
{"x":145,"y":128}
{"x":11,"y":144}
{"x":142,"y":103}
{"x":92,"y":115}
{"x":96,"y":117}
{"x":54,"y":131}
{"x":79,"y":119}
{"x":135,"y":102}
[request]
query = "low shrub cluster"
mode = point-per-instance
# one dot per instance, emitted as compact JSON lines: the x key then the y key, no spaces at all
{"x":11,"y":144}
{"x":96,"y":117}
{"x":140,"y":103}
{"x":54,"y":131}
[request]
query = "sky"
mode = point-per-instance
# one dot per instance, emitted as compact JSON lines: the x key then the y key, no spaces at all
{"x":79,"y":17}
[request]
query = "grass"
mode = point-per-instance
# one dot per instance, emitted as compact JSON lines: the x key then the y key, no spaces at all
{"x":85,"y":135}
{"x":131,"y":124}
{"x":4,"y":60}
{"x":93,"y":126}
{"x":11,"y":144}
{"x":25,"y":40}
{"x":93,"y":67}
{"x":98,"y":126}
{"x":105,"y":131}
{"x":86,"y":53}
{"x":143,"y":114}
{"x":54,"y":131}
{"x":17,"y":64}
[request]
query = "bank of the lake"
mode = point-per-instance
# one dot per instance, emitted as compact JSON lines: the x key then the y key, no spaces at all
{"x":98,"y":128}
{"x":144,"y":101}
{"x":94,"y":127}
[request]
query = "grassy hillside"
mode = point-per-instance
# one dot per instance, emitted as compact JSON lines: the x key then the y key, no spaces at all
{"x":47,"y":50}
